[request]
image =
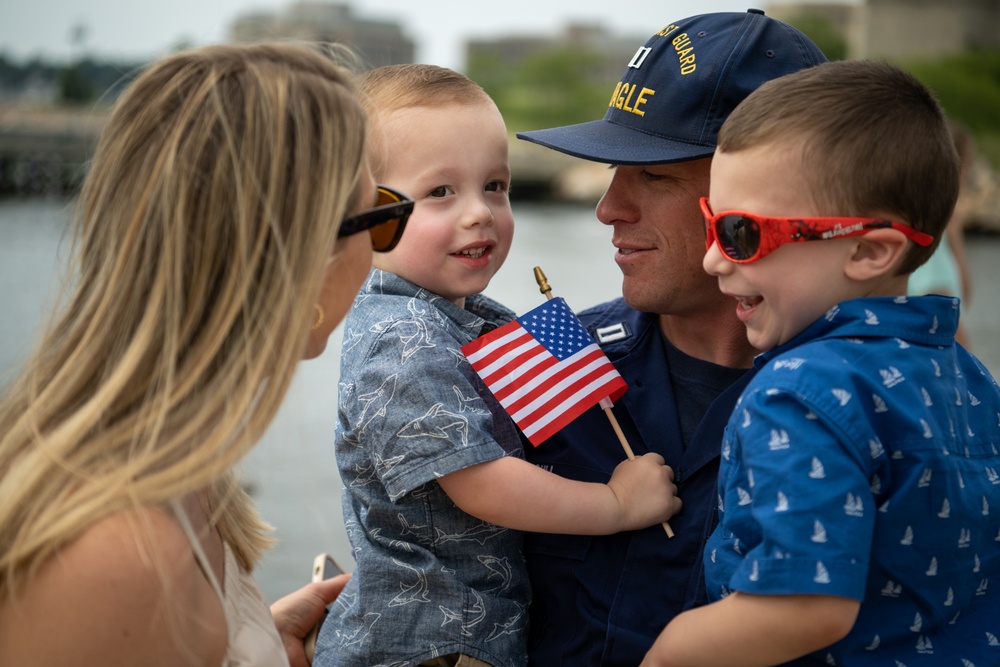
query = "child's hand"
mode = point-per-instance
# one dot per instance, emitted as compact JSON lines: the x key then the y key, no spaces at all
{"x":645,"y":490}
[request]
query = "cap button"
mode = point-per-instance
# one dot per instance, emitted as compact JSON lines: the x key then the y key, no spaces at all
{"x":755,"y":11}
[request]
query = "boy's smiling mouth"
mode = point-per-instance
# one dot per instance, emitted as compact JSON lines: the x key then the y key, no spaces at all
{"x":474,"y":253}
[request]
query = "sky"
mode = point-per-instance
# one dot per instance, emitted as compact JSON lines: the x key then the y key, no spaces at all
{"x":139,"y":30}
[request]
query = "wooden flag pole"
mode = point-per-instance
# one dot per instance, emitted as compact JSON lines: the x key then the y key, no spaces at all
{"x":606,"y":405}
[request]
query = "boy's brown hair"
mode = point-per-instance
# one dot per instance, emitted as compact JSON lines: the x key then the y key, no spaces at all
{"x":875,"y":143}
{"x":393,"y":87}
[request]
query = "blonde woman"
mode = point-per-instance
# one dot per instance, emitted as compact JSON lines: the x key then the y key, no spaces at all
{"x":210,"y":256}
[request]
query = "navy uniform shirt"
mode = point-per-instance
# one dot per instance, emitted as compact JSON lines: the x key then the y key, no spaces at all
{"x":603,"y":600}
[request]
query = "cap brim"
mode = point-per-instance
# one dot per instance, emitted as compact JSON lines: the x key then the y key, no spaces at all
{"x":604,"y":141}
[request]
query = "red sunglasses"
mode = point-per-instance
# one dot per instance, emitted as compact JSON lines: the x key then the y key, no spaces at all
{"x":746,"y":237}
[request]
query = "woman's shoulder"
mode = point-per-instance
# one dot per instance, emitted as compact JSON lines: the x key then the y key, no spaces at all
{"x":127,"y":590}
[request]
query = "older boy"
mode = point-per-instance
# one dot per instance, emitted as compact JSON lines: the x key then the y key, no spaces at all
{"x":859,"y":464}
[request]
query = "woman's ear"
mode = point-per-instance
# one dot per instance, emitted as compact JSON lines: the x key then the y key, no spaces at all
{"x":876,"y":254}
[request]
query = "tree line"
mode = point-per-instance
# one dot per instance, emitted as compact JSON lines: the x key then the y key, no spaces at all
{"x":84,"y":81}
{"x":559,"y":85}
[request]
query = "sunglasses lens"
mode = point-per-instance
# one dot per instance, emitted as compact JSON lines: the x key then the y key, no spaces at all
{"x":386,"y":196}
{"x":739,"y":236}
{"x":384,"y":222}
{"x":385,"y":235}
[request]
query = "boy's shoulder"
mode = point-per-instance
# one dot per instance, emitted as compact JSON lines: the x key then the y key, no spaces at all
{"x":902,"y":320}
{"x":386,"y":296}
{"x":406,"y":329}
{"x":376,"y":315}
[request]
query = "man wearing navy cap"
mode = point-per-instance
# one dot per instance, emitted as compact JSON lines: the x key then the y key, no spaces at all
{"x":673,"y":336}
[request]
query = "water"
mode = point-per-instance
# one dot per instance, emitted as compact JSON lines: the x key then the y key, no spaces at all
{"x":292,"y":470}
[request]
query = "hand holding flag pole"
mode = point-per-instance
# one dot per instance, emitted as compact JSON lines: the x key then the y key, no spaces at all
{"x":545,"y":288}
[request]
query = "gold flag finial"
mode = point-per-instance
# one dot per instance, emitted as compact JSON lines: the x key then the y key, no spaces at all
{"x":543,"y":283}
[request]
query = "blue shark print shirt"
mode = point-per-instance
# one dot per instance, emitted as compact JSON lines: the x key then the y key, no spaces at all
{"x":430,"y":579}
{"x":862,"y":461}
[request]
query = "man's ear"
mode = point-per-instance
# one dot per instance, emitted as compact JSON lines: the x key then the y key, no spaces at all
{"x":876,"y":254}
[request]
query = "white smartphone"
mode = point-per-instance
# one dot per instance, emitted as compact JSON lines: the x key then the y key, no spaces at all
{"x":323,"y":567}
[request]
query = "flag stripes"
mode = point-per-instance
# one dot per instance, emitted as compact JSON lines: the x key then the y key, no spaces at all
{"x":542,"y":390}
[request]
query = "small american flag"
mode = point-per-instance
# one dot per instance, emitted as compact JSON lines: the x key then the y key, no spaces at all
{"x":545,"y":369}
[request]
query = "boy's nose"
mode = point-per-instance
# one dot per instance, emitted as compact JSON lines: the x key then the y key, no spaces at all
{"x":714,"y":262}
{"x":478,"y":212}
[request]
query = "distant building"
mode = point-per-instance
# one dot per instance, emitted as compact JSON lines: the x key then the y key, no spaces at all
{"x":616,"y":50}
{"x":904,"y":29}
{"x":377,"y":42}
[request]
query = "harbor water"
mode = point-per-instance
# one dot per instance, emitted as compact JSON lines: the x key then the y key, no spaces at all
{"x":292,"y":473}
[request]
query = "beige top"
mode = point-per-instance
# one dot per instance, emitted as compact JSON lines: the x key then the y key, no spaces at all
{"x":253,"y":637}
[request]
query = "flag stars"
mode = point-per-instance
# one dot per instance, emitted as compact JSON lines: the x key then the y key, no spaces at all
{"x":558,"y":329}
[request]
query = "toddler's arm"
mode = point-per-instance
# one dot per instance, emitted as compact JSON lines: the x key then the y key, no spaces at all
{"x":513,"y":493}
{"x":744,"y":630}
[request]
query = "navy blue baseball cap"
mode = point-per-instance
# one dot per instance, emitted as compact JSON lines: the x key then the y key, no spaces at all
{"x":681,"y":86}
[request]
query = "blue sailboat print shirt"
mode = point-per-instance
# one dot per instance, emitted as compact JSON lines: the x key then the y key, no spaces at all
{"x":862,"y":461}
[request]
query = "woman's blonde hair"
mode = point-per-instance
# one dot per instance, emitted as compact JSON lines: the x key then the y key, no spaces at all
{"x":213,"y":201}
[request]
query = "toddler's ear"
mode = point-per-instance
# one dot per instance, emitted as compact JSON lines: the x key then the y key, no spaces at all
{"x":876,"y":254}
